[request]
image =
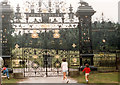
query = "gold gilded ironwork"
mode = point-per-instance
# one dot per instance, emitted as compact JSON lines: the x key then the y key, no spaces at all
{"x":35,"y":56}
{"x":56,"y":34}
{"x":2,"y":16}
{"x":35,"y":65}
{"x":16,"y":46}
{"x":104,"y":40}
{"x":74,"y":60}
{"x":16,"y":62}
{"x":34,"y":34}
{"x":74,"y":45}
{"x":57,"y":64}
{"x":57,"y":56}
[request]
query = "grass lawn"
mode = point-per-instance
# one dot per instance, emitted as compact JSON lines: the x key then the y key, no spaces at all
{"x":111,"y":77}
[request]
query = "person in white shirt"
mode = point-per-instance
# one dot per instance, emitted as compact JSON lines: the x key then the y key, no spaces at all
{"x":64,"y":67}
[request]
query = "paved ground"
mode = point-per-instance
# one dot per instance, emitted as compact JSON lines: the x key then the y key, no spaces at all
{"x":47,"y":80}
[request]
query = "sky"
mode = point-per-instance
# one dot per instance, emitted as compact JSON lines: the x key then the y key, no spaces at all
{"x":108,"y":7}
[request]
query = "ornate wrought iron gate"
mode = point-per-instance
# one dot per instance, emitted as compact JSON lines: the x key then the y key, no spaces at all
{"x":38,"y":57}
{"x":41,"y":62}
{"x":49,"y":36}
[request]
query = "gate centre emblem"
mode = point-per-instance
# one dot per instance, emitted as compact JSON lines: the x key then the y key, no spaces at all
{"x":35,"y":64}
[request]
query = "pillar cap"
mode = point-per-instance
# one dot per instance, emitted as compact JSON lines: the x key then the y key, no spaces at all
{"x":84,"y":9}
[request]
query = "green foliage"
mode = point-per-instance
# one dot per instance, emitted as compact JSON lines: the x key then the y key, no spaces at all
{"x":108,"y":31}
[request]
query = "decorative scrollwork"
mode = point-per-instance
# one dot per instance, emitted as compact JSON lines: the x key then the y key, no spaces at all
{"x":35,"y":64}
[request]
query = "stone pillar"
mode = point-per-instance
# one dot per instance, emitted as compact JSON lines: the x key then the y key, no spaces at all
{"x":84,"y":14}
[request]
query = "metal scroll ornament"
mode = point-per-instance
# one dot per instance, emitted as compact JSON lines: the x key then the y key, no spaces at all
{"x":35,"y":64}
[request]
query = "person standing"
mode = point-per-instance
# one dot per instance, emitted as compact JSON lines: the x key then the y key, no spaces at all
{"x":87,"y":71}
{"x":64,"y":67}
{"x":5,"y":71}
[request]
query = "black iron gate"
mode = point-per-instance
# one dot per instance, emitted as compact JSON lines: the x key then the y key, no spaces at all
{"x":41,"y":54}
{"x":51,"y":36}
{"x":40,"y":60}
{"x":43,"y":63}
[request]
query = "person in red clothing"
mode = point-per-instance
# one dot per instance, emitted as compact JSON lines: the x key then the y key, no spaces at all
{"x":5,"y":71}
{"x":87,"y":71}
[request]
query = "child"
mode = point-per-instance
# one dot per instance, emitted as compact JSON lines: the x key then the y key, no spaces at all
{"x":64,"y":67}
{"x":87,"y":71}
{"x":5,"y":70}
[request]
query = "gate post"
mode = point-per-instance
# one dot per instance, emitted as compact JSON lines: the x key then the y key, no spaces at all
{"x":84,"y":14}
